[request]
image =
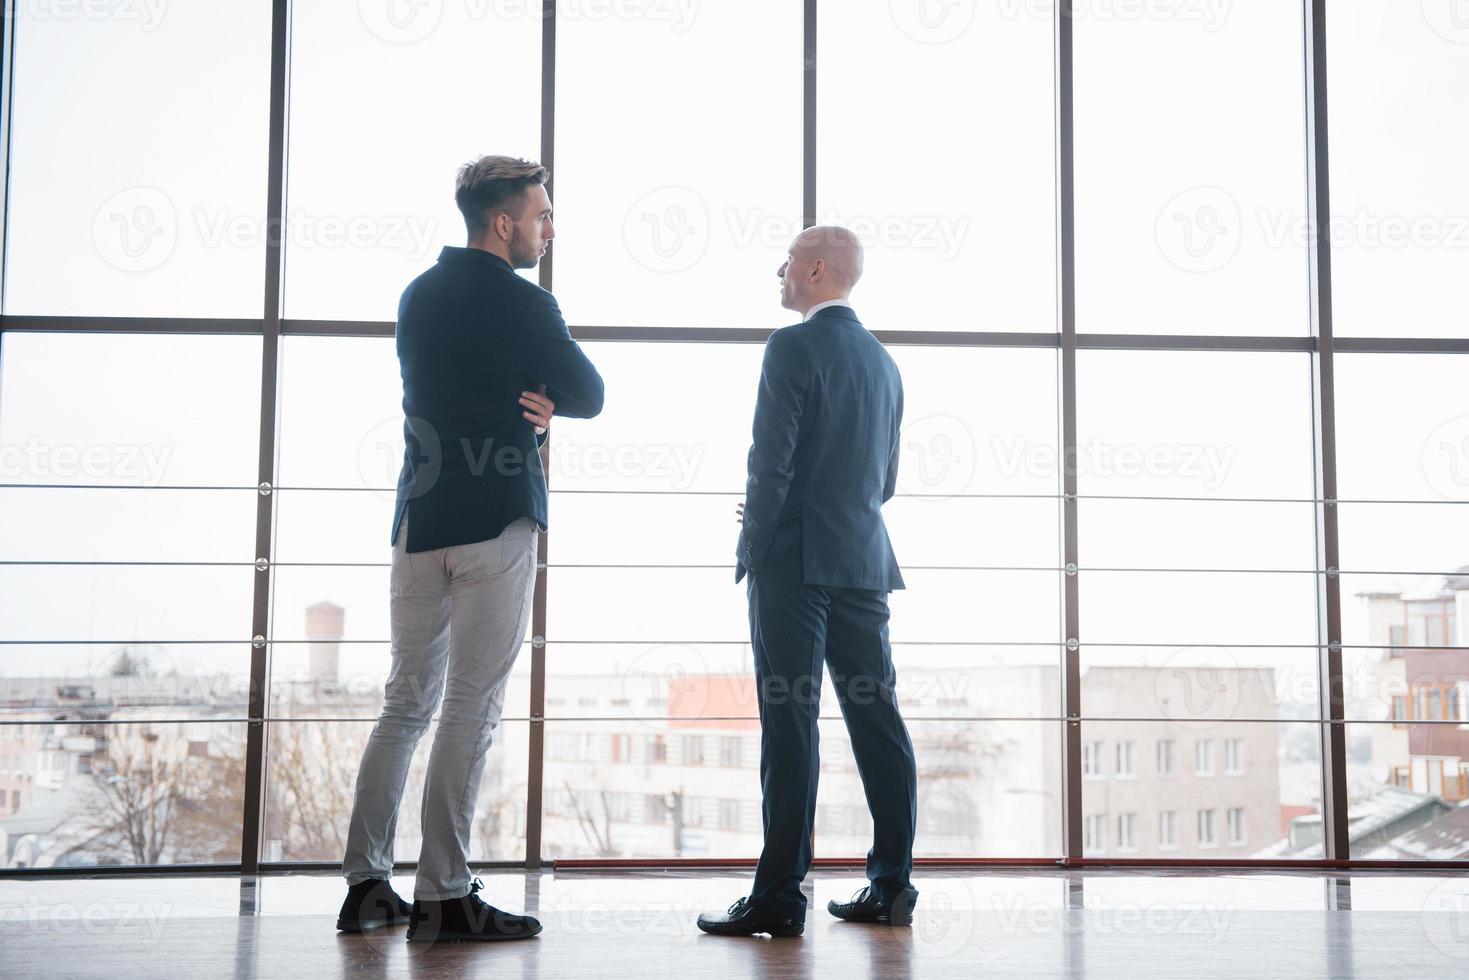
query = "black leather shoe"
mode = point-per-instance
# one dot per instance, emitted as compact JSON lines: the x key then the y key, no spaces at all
{"x":467,"y":919}
{"x":744,"y":919}
{"x":864,"y":907}
{"x":371,"y":904}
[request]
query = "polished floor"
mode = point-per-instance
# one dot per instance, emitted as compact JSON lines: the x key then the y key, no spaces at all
{"x":1137,"y":925}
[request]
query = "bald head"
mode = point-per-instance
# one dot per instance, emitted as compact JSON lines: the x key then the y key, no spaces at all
{"x":823,"y":263}
{"x":838,"y":249}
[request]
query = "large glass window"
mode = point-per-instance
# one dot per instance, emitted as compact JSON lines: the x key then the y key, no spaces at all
{"x":1399,"y":205}
{"x":1197,"y":590}
{"x":678,"y":175}
{"x":129,"y":460}
{"x":124,"y":790}
{"x":648,"y":651}
{"x":1202,"y":809}
{"x":1212,"y":430}
{"x":138,"y":159}
{"x":387,"y":100}
{"x":1403,"y":470}
{"x":1190,"y":168}
{"x":956,"y":207}
{"x":1403,"y":474}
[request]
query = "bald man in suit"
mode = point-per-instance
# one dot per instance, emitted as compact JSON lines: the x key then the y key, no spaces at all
{"x":823,"y":460}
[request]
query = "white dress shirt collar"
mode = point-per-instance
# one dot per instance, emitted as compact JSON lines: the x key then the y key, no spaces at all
{"x":821,"y":306}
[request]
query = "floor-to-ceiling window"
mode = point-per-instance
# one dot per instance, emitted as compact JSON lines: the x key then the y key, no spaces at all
{"x":1133,"y":374}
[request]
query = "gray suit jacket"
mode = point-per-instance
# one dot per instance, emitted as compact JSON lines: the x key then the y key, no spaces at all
{"x":824,"y":457}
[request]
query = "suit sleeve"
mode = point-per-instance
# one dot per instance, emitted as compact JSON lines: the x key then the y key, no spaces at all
{"x":778,"y":406}
{"x":556,"y":361}
{"x":890,"y":485}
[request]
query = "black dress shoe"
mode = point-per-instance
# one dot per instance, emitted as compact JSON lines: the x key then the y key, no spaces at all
{"x":371,"y":904}
{"x":744,"y":919}
{"x":864,"y":907}
{"x":467,"y":919}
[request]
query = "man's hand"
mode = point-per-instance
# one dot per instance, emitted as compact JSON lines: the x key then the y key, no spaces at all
{"x":538,"y":408}
{"x":740,"y":512}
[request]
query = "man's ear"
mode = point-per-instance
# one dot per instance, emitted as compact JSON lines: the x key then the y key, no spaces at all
{"x":818,"y":269}
{"x":503,"y":230}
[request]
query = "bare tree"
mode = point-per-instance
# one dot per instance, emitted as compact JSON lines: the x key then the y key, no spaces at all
{"x":313,"y":771}
{"x":208,"y":829}
{"x":157,"y":798}
{"x":600,"y":837}
{"x":141,"y":786}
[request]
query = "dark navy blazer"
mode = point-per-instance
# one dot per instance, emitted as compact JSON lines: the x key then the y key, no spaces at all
{"x":825,"y":455}
{"x":471,"y":336}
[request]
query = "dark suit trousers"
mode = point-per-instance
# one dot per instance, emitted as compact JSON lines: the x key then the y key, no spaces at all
{"x":794,"y":628}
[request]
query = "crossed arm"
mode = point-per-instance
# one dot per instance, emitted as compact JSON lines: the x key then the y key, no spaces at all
{"x":570,"y":384}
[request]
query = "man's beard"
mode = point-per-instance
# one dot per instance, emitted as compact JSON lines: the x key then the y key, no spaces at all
{"x":522,"y":254}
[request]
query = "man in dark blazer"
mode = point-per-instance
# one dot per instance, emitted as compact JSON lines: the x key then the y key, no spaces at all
{"x":486,"y":359}
{"x":812,"y":541}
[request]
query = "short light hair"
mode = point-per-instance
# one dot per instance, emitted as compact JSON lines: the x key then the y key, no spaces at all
{"x":493,"y":185}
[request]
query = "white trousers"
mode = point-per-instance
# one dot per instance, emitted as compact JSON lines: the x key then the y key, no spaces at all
{"x":459,"y":617}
